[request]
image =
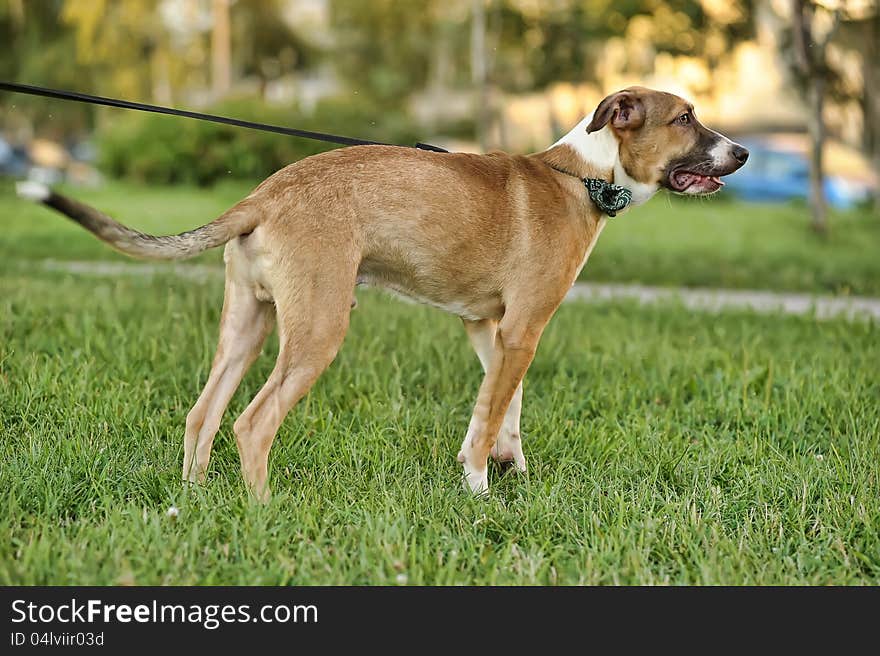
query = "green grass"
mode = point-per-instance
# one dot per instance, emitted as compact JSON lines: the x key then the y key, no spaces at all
{"x":31,"y":232}
{"x":670,"y":241}
{"x":664,"y":447}
{"x":717,"y":242}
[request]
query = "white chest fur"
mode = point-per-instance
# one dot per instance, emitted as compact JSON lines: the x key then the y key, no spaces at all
{"x":602,"y":150}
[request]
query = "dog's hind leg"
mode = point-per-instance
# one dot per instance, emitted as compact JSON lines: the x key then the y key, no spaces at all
{"x":508,"y":447}
{"x":244,"y":325}
{"x":312,"y":322}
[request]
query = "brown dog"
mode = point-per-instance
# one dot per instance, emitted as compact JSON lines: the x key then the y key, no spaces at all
{"x":496,"y":239}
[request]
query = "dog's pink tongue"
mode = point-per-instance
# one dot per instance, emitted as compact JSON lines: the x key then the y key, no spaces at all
{"x":685,"y":179}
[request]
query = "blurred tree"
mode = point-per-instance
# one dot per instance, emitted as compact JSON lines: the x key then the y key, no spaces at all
{"x":125,"y":44}
{"x":383,"y":48}
{"x":813,"y":26}
{"x":865,"y":31}
{"x":566,"y":40}
{"x":40,"y":50}
{"x":857,"y":39}
{"x":479,"y":70}
{"x":221,"y":49}
{"x":832,"y":50}
{"x":263,"y":43}
{"x":871,"y":95}
{"x":153,"y":50}
{"x":389,"y":49}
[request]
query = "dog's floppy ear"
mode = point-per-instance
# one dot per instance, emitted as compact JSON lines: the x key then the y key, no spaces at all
{"x":623,"y":109}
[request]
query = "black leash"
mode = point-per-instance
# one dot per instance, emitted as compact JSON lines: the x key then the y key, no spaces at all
{"x":608,"y":197}
{"x":157,"y":109}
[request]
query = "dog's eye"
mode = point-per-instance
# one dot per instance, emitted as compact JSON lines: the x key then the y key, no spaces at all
{"x":684,"y":119}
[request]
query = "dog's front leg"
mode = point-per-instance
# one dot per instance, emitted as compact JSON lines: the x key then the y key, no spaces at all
{"x":508,"y":446}
{"x":512,"y":353}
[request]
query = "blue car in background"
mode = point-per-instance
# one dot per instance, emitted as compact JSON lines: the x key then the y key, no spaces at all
{"x":14,"y":160}
{"x":778,"y":172}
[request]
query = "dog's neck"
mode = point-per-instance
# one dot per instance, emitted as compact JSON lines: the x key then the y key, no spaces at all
{"x":595,"y":155}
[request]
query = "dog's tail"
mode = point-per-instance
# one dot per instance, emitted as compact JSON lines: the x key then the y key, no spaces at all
{"x":240,"y":219}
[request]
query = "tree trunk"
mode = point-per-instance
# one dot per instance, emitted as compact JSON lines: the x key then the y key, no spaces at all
{"x":871,"y":97}
{"x":16,"y":10}
{"x":442,"y":67}
{"x":810,"y":61}
{"x":479,"y":71}
{"x":877,"y":180}
{"x":221,"y":56}
{"x":161,"y":91}
{"x":818,"y":204}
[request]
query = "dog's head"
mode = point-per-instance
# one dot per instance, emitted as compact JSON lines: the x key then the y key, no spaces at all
{"x":662,"y":144}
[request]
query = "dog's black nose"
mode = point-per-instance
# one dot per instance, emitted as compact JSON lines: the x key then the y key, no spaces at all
{"x":740,"y":154}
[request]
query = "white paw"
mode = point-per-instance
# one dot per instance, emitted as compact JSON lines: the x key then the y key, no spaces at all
{"x":476,"y":481}
{"x":508,"y":448}
{"x":192,"y":473}
{"x":195,"y":477}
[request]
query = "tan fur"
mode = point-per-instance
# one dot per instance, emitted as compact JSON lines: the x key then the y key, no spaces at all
{"x":645,"y":152}
{"x":497,"y":239}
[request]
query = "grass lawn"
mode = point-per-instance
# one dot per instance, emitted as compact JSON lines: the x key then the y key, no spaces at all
{"x":664,"y":446}
{"x":670,"y":241}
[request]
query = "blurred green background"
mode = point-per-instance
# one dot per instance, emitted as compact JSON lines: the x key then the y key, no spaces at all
{"x":468,"y":74}
{"x":797,"y":82}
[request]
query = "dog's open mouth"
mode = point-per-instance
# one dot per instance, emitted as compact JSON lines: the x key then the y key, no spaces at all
{"x":682,"y":180}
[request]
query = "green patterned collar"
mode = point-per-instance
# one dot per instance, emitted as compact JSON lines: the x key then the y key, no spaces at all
{"x":609,"y":198}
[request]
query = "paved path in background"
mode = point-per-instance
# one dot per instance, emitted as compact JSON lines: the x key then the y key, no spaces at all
{"x":113,"y":269}
{"x":716,"y":300}
{"x":704,"y":299}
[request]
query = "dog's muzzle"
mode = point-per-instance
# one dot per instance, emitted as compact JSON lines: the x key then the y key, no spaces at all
{"x":702,"y":173}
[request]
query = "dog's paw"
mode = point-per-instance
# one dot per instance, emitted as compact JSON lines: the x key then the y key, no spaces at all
{"x":475,"y":479}
{"x":195,"y":478}
{"x":508,"y":448}
{"x":261,"y":495}
{"x":194,"y":474}
{"x":476,"y":482}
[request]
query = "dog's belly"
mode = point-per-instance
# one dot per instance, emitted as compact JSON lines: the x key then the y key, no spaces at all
{"x":472,"y":305}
